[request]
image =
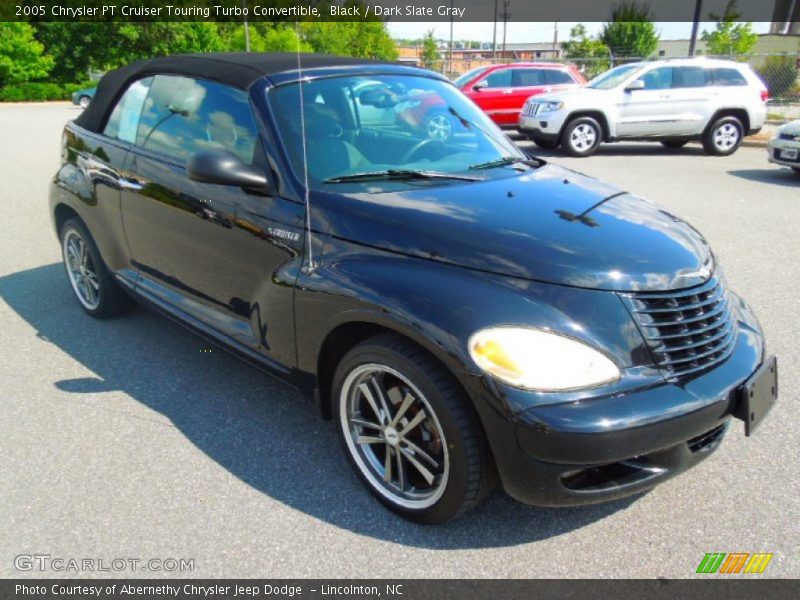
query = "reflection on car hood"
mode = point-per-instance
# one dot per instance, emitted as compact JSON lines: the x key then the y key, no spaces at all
{"x":550,"y":224}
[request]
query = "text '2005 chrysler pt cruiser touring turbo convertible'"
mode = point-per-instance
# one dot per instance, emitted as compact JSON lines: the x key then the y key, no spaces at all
{"x":464,"y":312}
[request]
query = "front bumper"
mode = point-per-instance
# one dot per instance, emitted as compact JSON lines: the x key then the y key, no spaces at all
{"x":545,"y":126}
{"x":776,"y":147}
{"x":603,"y":448}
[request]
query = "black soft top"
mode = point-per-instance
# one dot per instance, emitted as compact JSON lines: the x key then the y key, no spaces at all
{"x":237,"y":69}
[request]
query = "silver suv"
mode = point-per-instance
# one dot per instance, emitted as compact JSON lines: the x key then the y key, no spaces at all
{"x":718,"y":102}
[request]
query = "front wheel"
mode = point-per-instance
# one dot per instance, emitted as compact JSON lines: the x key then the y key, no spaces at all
{"x":409,"y":432}
{"x":724,"y":137}
{"x":582,"y":137}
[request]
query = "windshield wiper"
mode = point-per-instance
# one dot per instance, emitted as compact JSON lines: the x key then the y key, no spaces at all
{"x":400,"y":174}
{"x":506,"y":160}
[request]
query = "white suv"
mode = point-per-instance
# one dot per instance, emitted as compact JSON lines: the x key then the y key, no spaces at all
{"x":674,"y":101}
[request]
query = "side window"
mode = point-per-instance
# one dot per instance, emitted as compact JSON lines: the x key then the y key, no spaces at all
{"x":124,"y":119}
{"x":499,"y":79}
{"x":183,"y":116}
{"x":658,"y":79}
{"x":528,"y":77}
{"x":557,"y":77}
{"x":690,"y":77}
{"x":728,"y":77}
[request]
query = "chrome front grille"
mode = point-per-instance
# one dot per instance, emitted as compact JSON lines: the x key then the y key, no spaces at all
{"x":531,"y":109}
{"x":687,"y":330}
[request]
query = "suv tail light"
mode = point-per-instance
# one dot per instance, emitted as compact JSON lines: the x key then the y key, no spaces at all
{"x":764,"y":95}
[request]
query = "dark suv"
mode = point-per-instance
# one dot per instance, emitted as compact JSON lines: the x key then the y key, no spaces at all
{"x":464,"y":312}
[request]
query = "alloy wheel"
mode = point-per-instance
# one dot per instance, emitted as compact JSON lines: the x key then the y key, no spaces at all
{"x":726,"y":137}
{"x":394,"y":436}
{"x":81,"y":270}
{"x":583,"y":137}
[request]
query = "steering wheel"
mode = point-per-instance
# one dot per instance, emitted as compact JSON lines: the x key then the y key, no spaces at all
{"x":422,"y":145}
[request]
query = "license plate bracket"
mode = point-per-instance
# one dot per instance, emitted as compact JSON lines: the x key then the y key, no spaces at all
{"x":756,"y":396}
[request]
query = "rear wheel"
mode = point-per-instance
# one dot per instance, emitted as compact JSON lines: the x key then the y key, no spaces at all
{"x":582,"y":136}
{"x":409,"y":432}
{"x":724,"y":136}
{"x":93,"y":284}
{"x":674,"y":143}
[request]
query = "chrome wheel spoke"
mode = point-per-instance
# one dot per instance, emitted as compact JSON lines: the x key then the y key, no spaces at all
{"x":365,"y":391}
{"x":418,"y":418}
{"x":429,"y":477}
{"x":377,"y":386}
{"x":421,"y":453}
{"x":407,"y":402}
{"x":367,"y":424}
{"x":368,"y":439}
{"x":401,"y":472}
{"x":387,"y":465}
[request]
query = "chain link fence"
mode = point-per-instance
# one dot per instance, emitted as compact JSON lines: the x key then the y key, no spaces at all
{"x":779,"y":72}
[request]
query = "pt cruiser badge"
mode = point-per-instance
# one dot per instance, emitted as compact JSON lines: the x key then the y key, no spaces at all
{"x":438,"y":306}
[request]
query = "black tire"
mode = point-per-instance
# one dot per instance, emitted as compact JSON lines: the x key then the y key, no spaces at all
{"x":468,"y":474}
{"x":674,"y":143}
{"x":724,"y":136}
{"x":544,"y":144}
{"x":110,"y":299}
{"x":586,"y":146}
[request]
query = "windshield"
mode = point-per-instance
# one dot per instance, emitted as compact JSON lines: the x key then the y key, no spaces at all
{"x":611,"y":79}
{"x":367,"y":124}
{"x":468,"y":76}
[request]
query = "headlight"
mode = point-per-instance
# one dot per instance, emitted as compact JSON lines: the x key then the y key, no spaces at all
{"x":539,"y":360}
{"x":550,"y":106}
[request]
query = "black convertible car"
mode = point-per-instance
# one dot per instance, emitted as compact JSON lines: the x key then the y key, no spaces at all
{"x":466,"y":313}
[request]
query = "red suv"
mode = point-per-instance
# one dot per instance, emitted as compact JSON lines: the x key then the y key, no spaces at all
{"x":501,"y":90}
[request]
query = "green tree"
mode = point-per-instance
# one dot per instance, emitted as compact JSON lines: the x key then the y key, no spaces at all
{"x":729,"y":37}
{"x":631,"y":31}
{"x":582,"y":46}
{"x":430,"y":58}
{"x":366,"y":39}
{"x":264,"y":37}
{"x":22,"y":57}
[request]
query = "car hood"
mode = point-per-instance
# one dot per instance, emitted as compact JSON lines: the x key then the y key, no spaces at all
{"x":792,"y":128}
{"x":549,"y":224}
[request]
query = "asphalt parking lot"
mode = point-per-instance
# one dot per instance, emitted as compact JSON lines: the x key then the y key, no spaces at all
{"x":128,"y":439}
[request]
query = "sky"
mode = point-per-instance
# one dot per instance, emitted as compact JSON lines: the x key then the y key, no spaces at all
{"x":531,"y":32}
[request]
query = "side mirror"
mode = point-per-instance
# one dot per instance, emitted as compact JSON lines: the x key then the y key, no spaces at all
{"x":480,"y":85}
{"x":221,"y":167}
{"x":636,"y":84}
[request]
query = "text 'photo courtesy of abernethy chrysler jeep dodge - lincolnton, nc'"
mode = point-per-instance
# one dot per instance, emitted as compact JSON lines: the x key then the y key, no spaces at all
{"x":468,"y":315}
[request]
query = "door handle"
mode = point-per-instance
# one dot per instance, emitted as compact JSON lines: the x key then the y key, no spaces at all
{"x":508,"y":91}
{"x":130,"y":184}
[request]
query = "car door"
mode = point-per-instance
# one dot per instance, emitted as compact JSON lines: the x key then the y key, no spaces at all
{"x":212,"y":253}
{"x":649,"y":111}
{"x":694,"y":98}
{"x":496,"y":97}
